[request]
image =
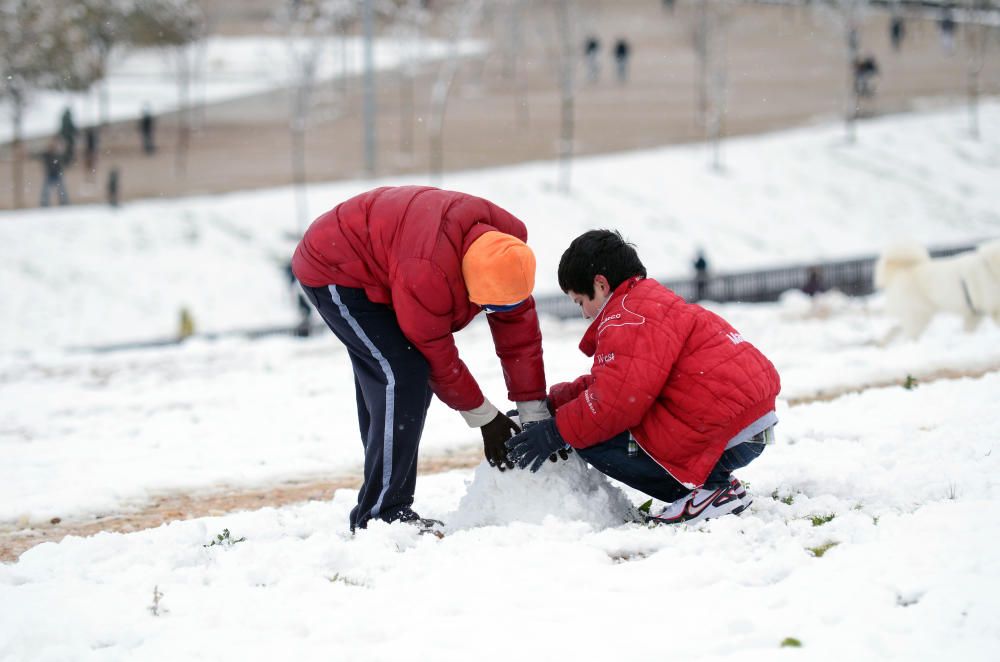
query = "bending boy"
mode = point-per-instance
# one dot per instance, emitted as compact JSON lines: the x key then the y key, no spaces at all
{"x":394,"y":272}
{"x":676,"y":399}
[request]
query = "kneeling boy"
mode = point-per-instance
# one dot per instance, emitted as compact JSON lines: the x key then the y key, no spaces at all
{"x":676,"y":399}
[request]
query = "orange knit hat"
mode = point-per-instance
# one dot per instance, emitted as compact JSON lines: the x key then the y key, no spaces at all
{"x":498,"y":269}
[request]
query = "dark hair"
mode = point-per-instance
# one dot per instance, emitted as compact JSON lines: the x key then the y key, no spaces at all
{"x":598,"y":253}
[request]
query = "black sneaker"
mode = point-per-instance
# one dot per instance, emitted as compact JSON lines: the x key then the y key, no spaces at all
{"x":426,"y":525}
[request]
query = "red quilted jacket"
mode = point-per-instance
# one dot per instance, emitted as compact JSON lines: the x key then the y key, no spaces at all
{"x":676,"y":375}
{"x":404,"y":247}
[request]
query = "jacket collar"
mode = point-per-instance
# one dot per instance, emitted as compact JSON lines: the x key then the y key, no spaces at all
{"x":589,"y":343}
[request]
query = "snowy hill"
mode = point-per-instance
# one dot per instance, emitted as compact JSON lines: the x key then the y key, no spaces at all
{"x":871,"y":536}
{"x":90,"y":275}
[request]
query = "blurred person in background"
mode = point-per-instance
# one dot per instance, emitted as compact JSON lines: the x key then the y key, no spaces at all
{"x":52,"y":171}
{"x":147,"y":126}
{"x":68,"y":131}
{"x":622,"y":53}
{"x":700,"y":276}
{"x":114,"y":182}
{"x":91,"y":140}
{"x":591,"y":52}
{"x":897,"y":31}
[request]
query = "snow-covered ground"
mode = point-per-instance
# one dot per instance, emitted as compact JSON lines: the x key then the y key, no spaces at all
{"x":86,"y":434}
{"x":870,"y":537}
{"x":871,"y":534}
{"x":223,"y":68}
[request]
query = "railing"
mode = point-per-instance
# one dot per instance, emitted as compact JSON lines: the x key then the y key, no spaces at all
{"x":852,"y":277}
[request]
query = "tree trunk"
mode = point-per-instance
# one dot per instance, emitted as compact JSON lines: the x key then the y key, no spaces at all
{"x":435,"y":128}
{"x":976,"y":37}
{"x":512,"y":68}
{"x":701,"y":50}
{"x":17,"y":101}
{"x":566,"y":88}
{"x":853,"y":94}
{"x":183,"y":110}
{"x":368,"y":22}
{"x":406,"y":111}
{"x":299,"y":172}
{"x":441,"y":90}
{"x":718,"y":51}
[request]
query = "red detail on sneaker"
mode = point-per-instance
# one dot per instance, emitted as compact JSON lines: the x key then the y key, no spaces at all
{"x":691,"y":510}
{"x":717,"y":498}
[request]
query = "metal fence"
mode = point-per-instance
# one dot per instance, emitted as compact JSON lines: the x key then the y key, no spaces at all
{"x":852,"y":277}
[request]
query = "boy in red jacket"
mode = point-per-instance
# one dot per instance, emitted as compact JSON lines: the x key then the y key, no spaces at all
{"x":394,"y":273}
{"x":676,"y":399}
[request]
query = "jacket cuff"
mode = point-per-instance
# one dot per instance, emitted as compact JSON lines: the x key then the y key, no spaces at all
{"x":532,"y":411}
{"x":481,"y":415}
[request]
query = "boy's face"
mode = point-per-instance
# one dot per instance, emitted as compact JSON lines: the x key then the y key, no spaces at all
{"x":591,"y":306}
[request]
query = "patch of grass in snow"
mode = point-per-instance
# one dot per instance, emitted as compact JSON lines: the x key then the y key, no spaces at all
{"x":910,"y":383}
{"x":337,"y":577}
{"x":224,"y":539}
{"x":624,"y":556}
{"x":820,"y":520}
{"x":822,"y":549}
{"x":787,"y":500}
{"x":791,"y":642}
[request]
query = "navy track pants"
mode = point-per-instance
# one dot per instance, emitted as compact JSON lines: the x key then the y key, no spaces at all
{"x":392,"y":386}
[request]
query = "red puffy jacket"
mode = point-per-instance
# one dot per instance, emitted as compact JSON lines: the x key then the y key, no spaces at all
{"x":404,"y":247}
{"x":676,"y":375}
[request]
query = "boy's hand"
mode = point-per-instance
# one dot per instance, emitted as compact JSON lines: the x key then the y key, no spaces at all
{"x":530,"y":448}
{"x":495,"y":434}
{"x":563,"y":453}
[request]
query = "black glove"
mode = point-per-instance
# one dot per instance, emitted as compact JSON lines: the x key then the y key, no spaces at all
{"x":530,"y":448}
{"x":562,"y":453}
{"x":495,"y":434}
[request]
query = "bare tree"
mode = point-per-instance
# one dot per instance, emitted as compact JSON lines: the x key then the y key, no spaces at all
{"x":306,"y":24}
{"x":174,"y":24}
{"x":567,"y":90}
{"x":408,"y":25}
{"x":711,"y":51}
{"x":977,"y":33}
{"x":463,"y":16}
{"x":40,"y":48}
{"x":849,"y":14}
{"x":105,"y":24}
{"x":513,"y":69}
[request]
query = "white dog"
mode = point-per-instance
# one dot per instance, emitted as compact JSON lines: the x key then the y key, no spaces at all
{"x":916,"y":286}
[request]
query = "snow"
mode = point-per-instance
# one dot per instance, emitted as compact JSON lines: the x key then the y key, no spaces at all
{"x":790,"y":197}
{"x":870,"y":537}
{"x":224,"y":68}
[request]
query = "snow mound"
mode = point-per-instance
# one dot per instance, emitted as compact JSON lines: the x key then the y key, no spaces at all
{"x":569,"y":490}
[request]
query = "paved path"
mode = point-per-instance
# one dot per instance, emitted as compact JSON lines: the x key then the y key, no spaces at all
{"x":786,"y":68}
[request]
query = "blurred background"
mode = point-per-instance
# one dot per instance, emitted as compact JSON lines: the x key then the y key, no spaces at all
{"x":161,"y":98}
{"x":749,"y":147}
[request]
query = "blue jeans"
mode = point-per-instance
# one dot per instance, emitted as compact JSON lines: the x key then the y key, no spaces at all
{"x":641,"y":472}
{"x":60,"y":187}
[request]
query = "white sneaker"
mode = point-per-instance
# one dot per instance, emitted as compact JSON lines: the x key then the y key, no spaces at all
{"x":704,"y":504}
